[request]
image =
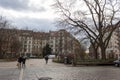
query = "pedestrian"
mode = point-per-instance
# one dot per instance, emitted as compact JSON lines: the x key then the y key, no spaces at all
{"x":23,"y":61}
{"x":65,"y":60}
{"x":19,"y":64}
{"x":46,"y":59}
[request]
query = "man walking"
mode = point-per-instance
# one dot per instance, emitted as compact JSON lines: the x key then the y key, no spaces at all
{"x":20,"y":59}
{"x":46,"y":59}
{"x":23,"y":61}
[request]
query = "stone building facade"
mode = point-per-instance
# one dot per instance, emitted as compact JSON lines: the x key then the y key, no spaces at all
{"x":61,"y":42}
{"x":31,"y":43}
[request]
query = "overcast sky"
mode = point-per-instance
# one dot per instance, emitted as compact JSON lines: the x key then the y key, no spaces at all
{"x":33,"y":14}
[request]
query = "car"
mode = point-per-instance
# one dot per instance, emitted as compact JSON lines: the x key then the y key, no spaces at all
{"x":51,"y":56}
{"x":117,"y":62}
{"x":33,"y":57}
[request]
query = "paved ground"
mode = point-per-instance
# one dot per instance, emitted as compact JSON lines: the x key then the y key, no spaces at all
{"x":37,"y":69}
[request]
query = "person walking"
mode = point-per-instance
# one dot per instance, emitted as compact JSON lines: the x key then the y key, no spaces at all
{"x":23,"y":61}
{"x":46,"y":59}
{"x":20,"y":59}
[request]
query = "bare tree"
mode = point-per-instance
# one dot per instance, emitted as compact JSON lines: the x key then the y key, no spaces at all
{"x":97,"y":19}
{"x":3,"y":25}
{"x":9,"y":40}
{"x":15,"y":47}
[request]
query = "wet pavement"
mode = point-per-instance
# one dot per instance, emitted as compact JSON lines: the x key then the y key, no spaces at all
{"x":9,"y":74}
{"x":36,"y":69}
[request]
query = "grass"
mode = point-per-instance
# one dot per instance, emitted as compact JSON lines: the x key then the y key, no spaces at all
{"x":96,"y":62}
{"x":8,"y":60}
{"x":90,"y":61}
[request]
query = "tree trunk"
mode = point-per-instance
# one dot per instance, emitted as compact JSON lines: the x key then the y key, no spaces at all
{"x":96,"y":53}
{"x":103,"y":53}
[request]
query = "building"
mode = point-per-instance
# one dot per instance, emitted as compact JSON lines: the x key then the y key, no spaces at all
{"x":61,"y":41}
{"x":113,"y":48}
{"x":32,"y":43}
{"x":26,"y":39}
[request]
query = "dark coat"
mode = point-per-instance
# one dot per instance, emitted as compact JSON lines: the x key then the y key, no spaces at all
{"x":20,"y":59}
{"x":46,"y":58}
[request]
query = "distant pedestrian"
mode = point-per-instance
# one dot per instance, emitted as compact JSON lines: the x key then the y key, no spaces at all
{"x":65,"y":60}
{"x":46,"y":59}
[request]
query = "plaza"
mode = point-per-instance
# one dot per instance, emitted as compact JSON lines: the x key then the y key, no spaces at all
{"x":37,"y":69}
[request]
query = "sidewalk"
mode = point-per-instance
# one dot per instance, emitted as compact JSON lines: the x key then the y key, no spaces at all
{"x":10,"y":71}
{"x":12,"y":64}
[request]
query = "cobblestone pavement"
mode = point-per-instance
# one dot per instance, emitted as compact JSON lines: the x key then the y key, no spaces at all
{"x":37,"y":69}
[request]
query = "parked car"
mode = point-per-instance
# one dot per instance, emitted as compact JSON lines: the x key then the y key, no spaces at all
{"x":117,"y":62}
{"x":33,"y":57}
{"x":51,"y":56}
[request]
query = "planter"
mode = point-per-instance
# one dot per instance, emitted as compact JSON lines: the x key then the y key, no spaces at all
{"x":96,"y":63}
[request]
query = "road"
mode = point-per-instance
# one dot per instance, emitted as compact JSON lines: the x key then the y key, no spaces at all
{"x":36,"y":69}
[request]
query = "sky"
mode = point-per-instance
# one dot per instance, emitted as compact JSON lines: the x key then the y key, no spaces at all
{"x":29,"y":14}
